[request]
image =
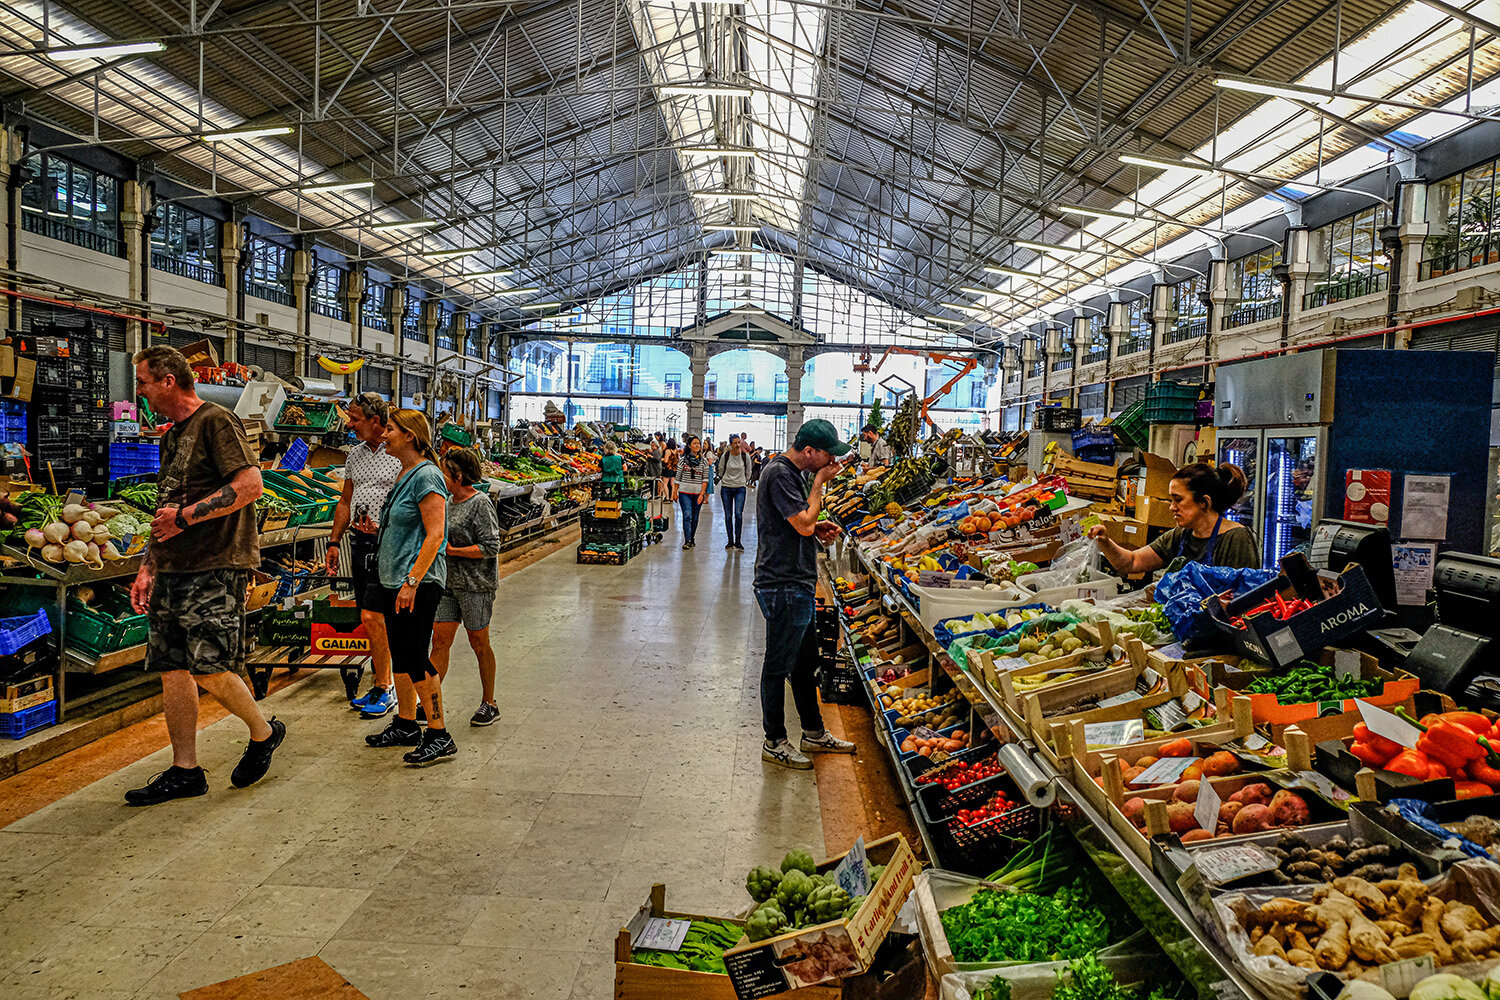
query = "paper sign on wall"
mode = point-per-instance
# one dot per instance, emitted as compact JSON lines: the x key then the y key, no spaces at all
{"x":1424,"y":507}
{"x":1412,"y":563}
{"x":1367,"y":495}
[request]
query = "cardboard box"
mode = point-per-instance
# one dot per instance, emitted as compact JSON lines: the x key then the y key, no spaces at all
{"x":1155,"y":477}
{"x":1268,"y":708}
{"x":775,"y":965}
{"x":262,"y":589}
{"x":1280,"y":642}
{"x":7,"y":360}
{"x":1124,"y":531}
{"x":260,"y":401}
{"x":25,"y":694}
{"x":200,"y":354}
{"x":25,"y":380}
{"x":1155,"y":512}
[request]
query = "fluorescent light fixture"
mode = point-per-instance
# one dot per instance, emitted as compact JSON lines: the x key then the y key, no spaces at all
{"x":108,"y":50}
{"x":446,"y":254}
{"x":728,"y":195}
{"x":703,"y":90}
{"x":390,"y":227}
{"x":948,"y":320}
{"x":1011,"y":272}
{"x":976,"y":290}
{"x":1052,"y":248}
{"x":1098,"y":213}
{"x":517,"y":291}
{"x":731,"y":151}
{"x":237,"y":134}
{"x":333,"y":186}
{"x":497,"y":272}
{"x":726,"y":251}
{"x":541,"y":305}
{"x":1160,"y":163}
{"x":963,"y":307}
{"x":746,"y":311}
{"x":727,"y":227}
{"x":1289,"y":91}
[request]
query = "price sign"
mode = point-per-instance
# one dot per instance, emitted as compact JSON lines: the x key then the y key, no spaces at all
{"x":1400,"y":978}
{"x":1113,"y":734}
{"x":1228,"y":864}
{"x":1206,"y":812}
{"x":1121,"y":699}
{"x":663,"y":934}
{"x":1346,"y":664}
{"x":1388,"y":724}
{"x":1165,"y":771}
{"x":853,"y":873}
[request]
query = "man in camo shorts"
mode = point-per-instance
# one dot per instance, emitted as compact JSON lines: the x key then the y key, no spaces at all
{"x":192,"y":583}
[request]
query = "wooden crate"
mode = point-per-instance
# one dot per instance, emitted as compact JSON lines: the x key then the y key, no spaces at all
{"x":26,"y":694}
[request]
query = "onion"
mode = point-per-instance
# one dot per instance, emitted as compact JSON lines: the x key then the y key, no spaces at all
{"x":52,"y":553}
{"x":34,"y":538}
{"x":76,"y":551}
{"x":56,"y":532}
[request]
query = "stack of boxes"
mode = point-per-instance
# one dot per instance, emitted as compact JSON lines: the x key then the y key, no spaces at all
{"x":68,"y":424}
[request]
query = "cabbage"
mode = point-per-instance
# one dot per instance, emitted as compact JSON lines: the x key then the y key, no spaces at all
{"x":1446,"y":986}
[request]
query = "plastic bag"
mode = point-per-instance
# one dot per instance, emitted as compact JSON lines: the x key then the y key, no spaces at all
{"x":1182,"y":594}
{"x":1076,"y":563}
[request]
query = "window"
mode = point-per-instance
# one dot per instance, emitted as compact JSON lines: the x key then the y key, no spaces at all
{"x":411,"y":316}
{"x":186,"y":243}
{"x":615,"y":414}
{"x":674,"y":385}
{"x":268,"y":271}
{"x":711,"y":386}
{"x":781,"y":383}
{"x":1189,"y":311}
{"x":373,"y":312}
{"x":326,"y":290}
{"x":976,"y":394}
{"x":1461,"y":211}
{"x":68,"y":202}
{"x":471,"y":337}
{"x":1064,"y":360}
{"x":1098,"y":338}
{"x":1137,"y":331}
{"x":445,"y":335}
{"x":1254,"y":291}
{"x":744,"y":385}
{"x":1355,"y":263}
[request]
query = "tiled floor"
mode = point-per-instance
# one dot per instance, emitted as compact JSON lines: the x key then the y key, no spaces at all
{"x":628,"y":753}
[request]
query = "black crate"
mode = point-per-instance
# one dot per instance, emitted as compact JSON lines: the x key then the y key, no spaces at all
{"x":622,"y":528}
{"x":98,"y":382}
{"x":51,"y":373}
{"x":92,"y":425}
{"x":983,"y":847}
{"x":50,"y":432}
{"x":1058,"y":418}
{"x":839,"y":683}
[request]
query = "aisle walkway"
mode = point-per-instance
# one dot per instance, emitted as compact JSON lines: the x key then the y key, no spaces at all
{"x":628,"y":753}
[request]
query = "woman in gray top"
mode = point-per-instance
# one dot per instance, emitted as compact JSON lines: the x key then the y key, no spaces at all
{"x":473,"y":575}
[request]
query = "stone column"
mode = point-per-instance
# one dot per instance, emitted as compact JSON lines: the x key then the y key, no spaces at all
{"x":354,"y":301}
{"x":395,"y":305}
{"x":1114,"y":328}
{"x":1080,"y":334}
{"x":429,"y":334}
{"x":1052,"y":352}
{"x":301,"y":279}
{"x":1301,"y":257}
{"x":1161,"y":315}
{"x":1414,"y":229}
{"x":137,"y":255}
{"x":505,"y":393}
{"x":11,"y":149}
{"x":698,"y":364}
{"x":794,"y":408}
{"x":1220,"y":296}
{"x":231,"y":253}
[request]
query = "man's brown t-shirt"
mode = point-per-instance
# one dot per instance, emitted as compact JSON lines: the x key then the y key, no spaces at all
{"x":199,"y":457}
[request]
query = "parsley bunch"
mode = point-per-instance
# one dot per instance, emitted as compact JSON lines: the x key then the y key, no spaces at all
{"x":997,"y":926}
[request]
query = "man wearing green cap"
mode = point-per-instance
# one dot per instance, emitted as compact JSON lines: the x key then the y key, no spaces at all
{"x":786,"y":573}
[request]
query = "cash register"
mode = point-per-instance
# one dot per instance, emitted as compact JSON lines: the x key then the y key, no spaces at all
{"x":1452,"y":655}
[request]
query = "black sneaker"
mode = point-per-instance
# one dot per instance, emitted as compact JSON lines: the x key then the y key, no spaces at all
{"x":173,"y":783}
{"x":421,"y":714}
{"x":485,"y":715}
{"x":257,"y":759}
{"x":398,"y":732}
{"x":436,"y":745}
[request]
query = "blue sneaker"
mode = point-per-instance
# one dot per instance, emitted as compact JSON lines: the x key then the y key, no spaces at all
{"x":360,"y":701}
{"x":378,"y":703}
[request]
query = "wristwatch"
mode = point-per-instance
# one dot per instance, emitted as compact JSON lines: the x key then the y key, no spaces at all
{"x":411,"y":581}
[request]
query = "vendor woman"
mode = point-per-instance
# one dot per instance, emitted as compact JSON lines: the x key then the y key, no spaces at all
{"x":1200,"y":494}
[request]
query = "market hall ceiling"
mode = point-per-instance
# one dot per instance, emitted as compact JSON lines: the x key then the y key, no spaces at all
{"x":899,"y":146}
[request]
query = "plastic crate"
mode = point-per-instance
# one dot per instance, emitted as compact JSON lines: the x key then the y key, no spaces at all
{"x":17,"y":633}
{"x":320,"y":417}
{"x":838,"y":683}
{"x":941,"y":804}
{"x":985,"y":846}
{"x":1093,"y":436}
{"x":1130,"y":425}
{"x":1169,"y":391}
{"x":51,"y":431}
{"x":1170,"y":412}
{"x":98,"y":631}
{"x":128,"y":458}
{"x":1058,"y":418}
{"x":17,"y":725}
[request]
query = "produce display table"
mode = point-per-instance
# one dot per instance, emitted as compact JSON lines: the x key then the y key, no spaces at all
{"x":1198,"y":957}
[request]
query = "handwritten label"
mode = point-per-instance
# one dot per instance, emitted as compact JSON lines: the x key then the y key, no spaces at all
{"x":1400,"y":978}
{"x":663,"y":934}
{"x":1009,"y":663}
{"x":853,"y":873}
{"x":1388,"y":724}
{"x":1228,"y":864}
{"x":1346,"y":663}
{"x":1113,"y":734}
{"x":1206,"y":812}
{"x":1165,"y":771}
{"x":1169,"y":715}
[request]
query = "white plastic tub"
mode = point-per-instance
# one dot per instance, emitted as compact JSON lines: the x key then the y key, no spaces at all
{"x":936,"y":603}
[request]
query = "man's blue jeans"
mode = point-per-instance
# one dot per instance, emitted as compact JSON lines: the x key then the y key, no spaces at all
{"x":734,"y":512}
{"x":791,"y":656}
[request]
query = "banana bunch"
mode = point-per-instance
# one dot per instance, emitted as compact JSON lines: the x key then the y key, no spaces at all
{"x":903,"y":430}
{"x":905,"y":472}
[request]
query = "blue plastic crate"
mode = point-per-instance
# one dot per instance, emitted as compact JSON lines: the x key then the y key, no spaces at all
{"x":16,"y":725}
{"x":17,"y":633}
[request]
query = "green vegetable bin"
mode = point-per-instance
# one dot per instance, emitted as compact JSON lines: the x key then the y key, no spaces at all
{"x":320,"y":418}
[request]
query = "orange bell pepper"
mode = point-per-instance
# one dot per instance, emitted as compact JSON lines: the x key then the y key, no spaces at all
{"x":1472,"y":789}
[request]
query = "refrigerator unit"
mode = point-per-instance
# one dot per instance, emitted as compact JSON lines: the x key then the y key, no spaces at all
{"x":1297,"y":423}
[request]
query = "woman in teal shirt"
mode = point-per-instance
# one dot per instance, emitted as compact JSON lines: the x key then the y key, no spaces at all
{"x":413,"y":568}
{"x":612,"y":465}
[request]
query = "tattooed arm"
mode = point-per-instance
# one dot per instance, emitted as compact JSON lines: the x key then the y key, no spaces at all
{"x":245,"y":488}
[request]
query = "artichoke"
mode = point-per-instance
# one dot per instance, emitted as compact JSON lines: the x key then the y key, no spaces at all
{"x":799,"y":859}
{"x":875,"y":872}
{"x":762,"y":883}
{"x":766,"y":921}
{"x":827,"y":902}
{"x":853,"y":907}
{"x":793,"y":891}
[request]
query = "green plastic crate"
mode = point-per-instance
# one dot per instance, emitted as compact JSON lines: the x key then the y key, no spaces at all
{"x":100,"y":632}
{"x":320,"y":418}
{"x":1130,"y":425}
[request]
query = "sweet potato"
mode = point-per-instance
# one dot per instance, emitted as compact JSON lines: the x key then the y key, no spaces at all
{"x":1288,"y":809}
{"x":1180,"y":817}
{"x":1228,"y":810}
{"x":1131,"y":773}
{"x":1146,"y":761}
{"x":1252,"y":818}
{"x":1134,"y":810}
{"x":1258,"y":793}
{"x":1176,"y":748}
{"x":1193,"y":836}
{"x":1220,"y":764}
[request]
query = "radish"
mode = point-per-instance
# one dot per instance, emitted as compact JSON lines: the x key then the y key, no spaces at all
{"x":52,"y":553}
{"x":34,"y":538}
{"x":56,"y":532}
{"x":82,"y":530}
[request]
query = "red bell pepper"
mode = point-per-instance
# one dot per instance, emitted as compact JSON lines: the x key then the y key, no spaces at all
{"x":1472,"y":789}
{"x":1486,"y":768}
{"x":1377,"y":743}
{"x":1446,"y":741}
{"x":1413,"y":763}
{"x":1369,"y":756}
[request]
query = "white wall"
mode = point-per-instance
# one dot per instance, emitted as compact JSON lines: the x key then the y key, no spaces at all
{"x":172,"y":290}
{"x":55,"y":260}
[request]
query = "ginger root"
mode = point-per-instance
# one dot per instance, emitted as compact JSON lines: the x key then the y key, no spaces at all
{"x":1332,"y":952}
{"x":1413,"y":945}
{"x":1459,"y":919}
{"x":1370,"y":943}
{"x":1302,"y":958}
{"x":1268,"y":946}
{"x":1363,"y":893}
{"x":1432,"y":927}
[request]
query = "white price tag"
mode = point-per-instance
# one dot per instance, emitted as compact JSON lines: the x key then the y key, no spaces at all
{"x":1206,"y":812}
{"x":662,"y":934}
{"x":1008,"y":663}
{"x":1388,"y":724}
{"x":1226,"y":864}
{"x":1169,"y":715}
{"x":1400,"y":978}
{"x":1113,"y":734}
{"x":1121,"y":699}
{"x":1285,"y":645}
{"x":853,"y":873}
{"x":1346,"y":663}
{"x":1165,"y":771}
